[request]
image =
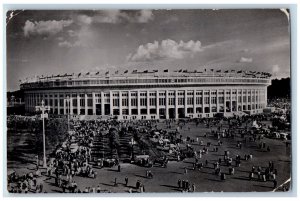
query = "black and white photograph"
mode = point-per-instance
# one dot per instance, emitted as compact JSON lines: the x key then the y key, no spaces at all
{"x":148,"y":101}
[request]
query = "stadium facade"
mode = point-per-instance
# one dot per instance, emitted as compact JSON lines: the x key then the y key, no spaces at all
{"x":149,"y":95}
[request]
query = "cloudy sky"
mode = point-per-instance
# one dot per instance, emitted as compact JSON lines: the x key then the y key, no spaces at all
{"x":53,"y":42}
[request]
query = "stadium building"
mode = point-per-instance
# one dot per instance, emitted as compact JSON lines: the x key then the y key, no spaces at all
{"x":150,"y":94}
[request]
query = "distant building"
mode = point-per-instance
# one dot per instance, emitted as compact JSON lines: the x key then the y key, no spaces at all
{"x":150,"y":94}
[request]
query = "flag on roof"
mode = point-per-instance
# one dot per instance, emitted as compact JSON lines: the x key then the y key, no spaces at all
{"x":226,"y":71}
{"x":87,"y":73}
{"x":145,"y":71}
{"x":97,"y":73}
{"x":211,"y":70}
{"x":126,"y":71}
{"x":155,"y":71}
{"x":166,"y":70}
{"x":232,"y":70}
{"x":180,"y":71}
{"x":239,"y":71}
{"x":218,"y":71}
{"x":106,"y":72}
{"x":79,"y":74}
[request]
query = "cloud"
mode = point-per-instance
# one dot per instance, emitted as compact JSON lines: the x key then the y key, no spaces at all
{"x":84,"y":19}
{"x":275,"y":68}
{"x":167,"y":49}
{"x":117,"y":16}
{"x":50,"y":27}
{"x":60,"y":38}
{"x":67,"y":44}
{"x":245,"y":60}
{"x":72,"y":33}
{"x":145,"y":16}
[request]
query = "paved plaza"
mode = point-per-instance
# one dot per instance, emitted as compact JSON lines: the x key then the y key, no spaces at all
{"x":165,"y":179}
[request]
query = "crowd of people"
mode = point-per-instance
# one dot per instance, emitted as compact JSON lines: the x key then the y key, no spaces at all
{"x":74,"y":158}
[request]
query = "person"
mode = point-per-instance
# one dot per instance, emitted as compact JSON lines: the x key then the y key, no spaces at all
{"x":193,"y":188}
{"x":126,"y":181}
{"x":119,"y":168}
{"x":179,"y":183}
{"x":185,"y":170}
{"x":98,"y":189}
{"x":115,"y":184}
{"x":274,"y":183}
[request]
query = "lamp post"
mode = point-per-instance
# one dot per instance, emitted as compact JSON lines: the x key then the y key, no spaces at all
{"x":43,"y":108}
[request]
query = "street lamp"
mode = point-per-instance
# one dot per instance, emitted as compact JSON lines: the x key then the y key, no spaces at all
{"x":43,"y":108}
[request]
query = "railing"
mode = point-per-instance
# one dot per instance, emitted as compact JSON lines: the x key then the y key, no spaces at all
{"x":144,"y":81}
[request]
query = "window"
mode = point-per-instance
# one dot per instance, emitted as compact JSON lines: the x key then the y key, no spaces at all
{"x":206,"y":100}
{"x":116,"y":102}
{"x":124,"y":102}
{"x":90,"y":102}
{"x":82,"y":102}
{"x":199,"y":93}
{"x":171,"y":101}
{"x":206,"y":93}
{"x":190,"y":93}
{"x":74,"y":102}
{"x":152,"y":101}
{"x":213,"y":100}
{"x":133,"y":102}
{"x":180,"y":101}
{"x":221,"y":100}
{"x":190,"y":100}
{"x":198,"y":100}
{"x":143,"y":102}
{"x":162,"y":101}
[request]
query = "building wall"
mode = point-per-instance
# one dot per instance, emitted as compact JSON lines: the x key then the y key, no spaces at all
{"x":151,"y":103}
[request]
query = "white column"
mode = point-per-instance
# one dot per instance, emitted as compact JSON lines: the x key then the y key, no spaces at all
{"x":65,"y":105}
{"x":176,"y":104}
{"x":85,"y":104}
{"x":94,"y":103}
{"x":71,"y":105}
{"x":202,"y":103}
{"x":210,"y":107}
{"x":194,"y":113}
{"x":58,"y":104}
{"x":120,"y":103}
{"x":102,"y":103}
{"x":230,"y":100}
{"x":138,"y":103}
{"x":157,"y":103}
{"x":148,"y":103}
{"x":217,"y":100}
{"x":78,"y":104}
{"x":242,"y":101}
{"x":111,"y":102}
{"x":129,"y":103}
{"x":185,"y":102}
{"x":167,"y":104}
